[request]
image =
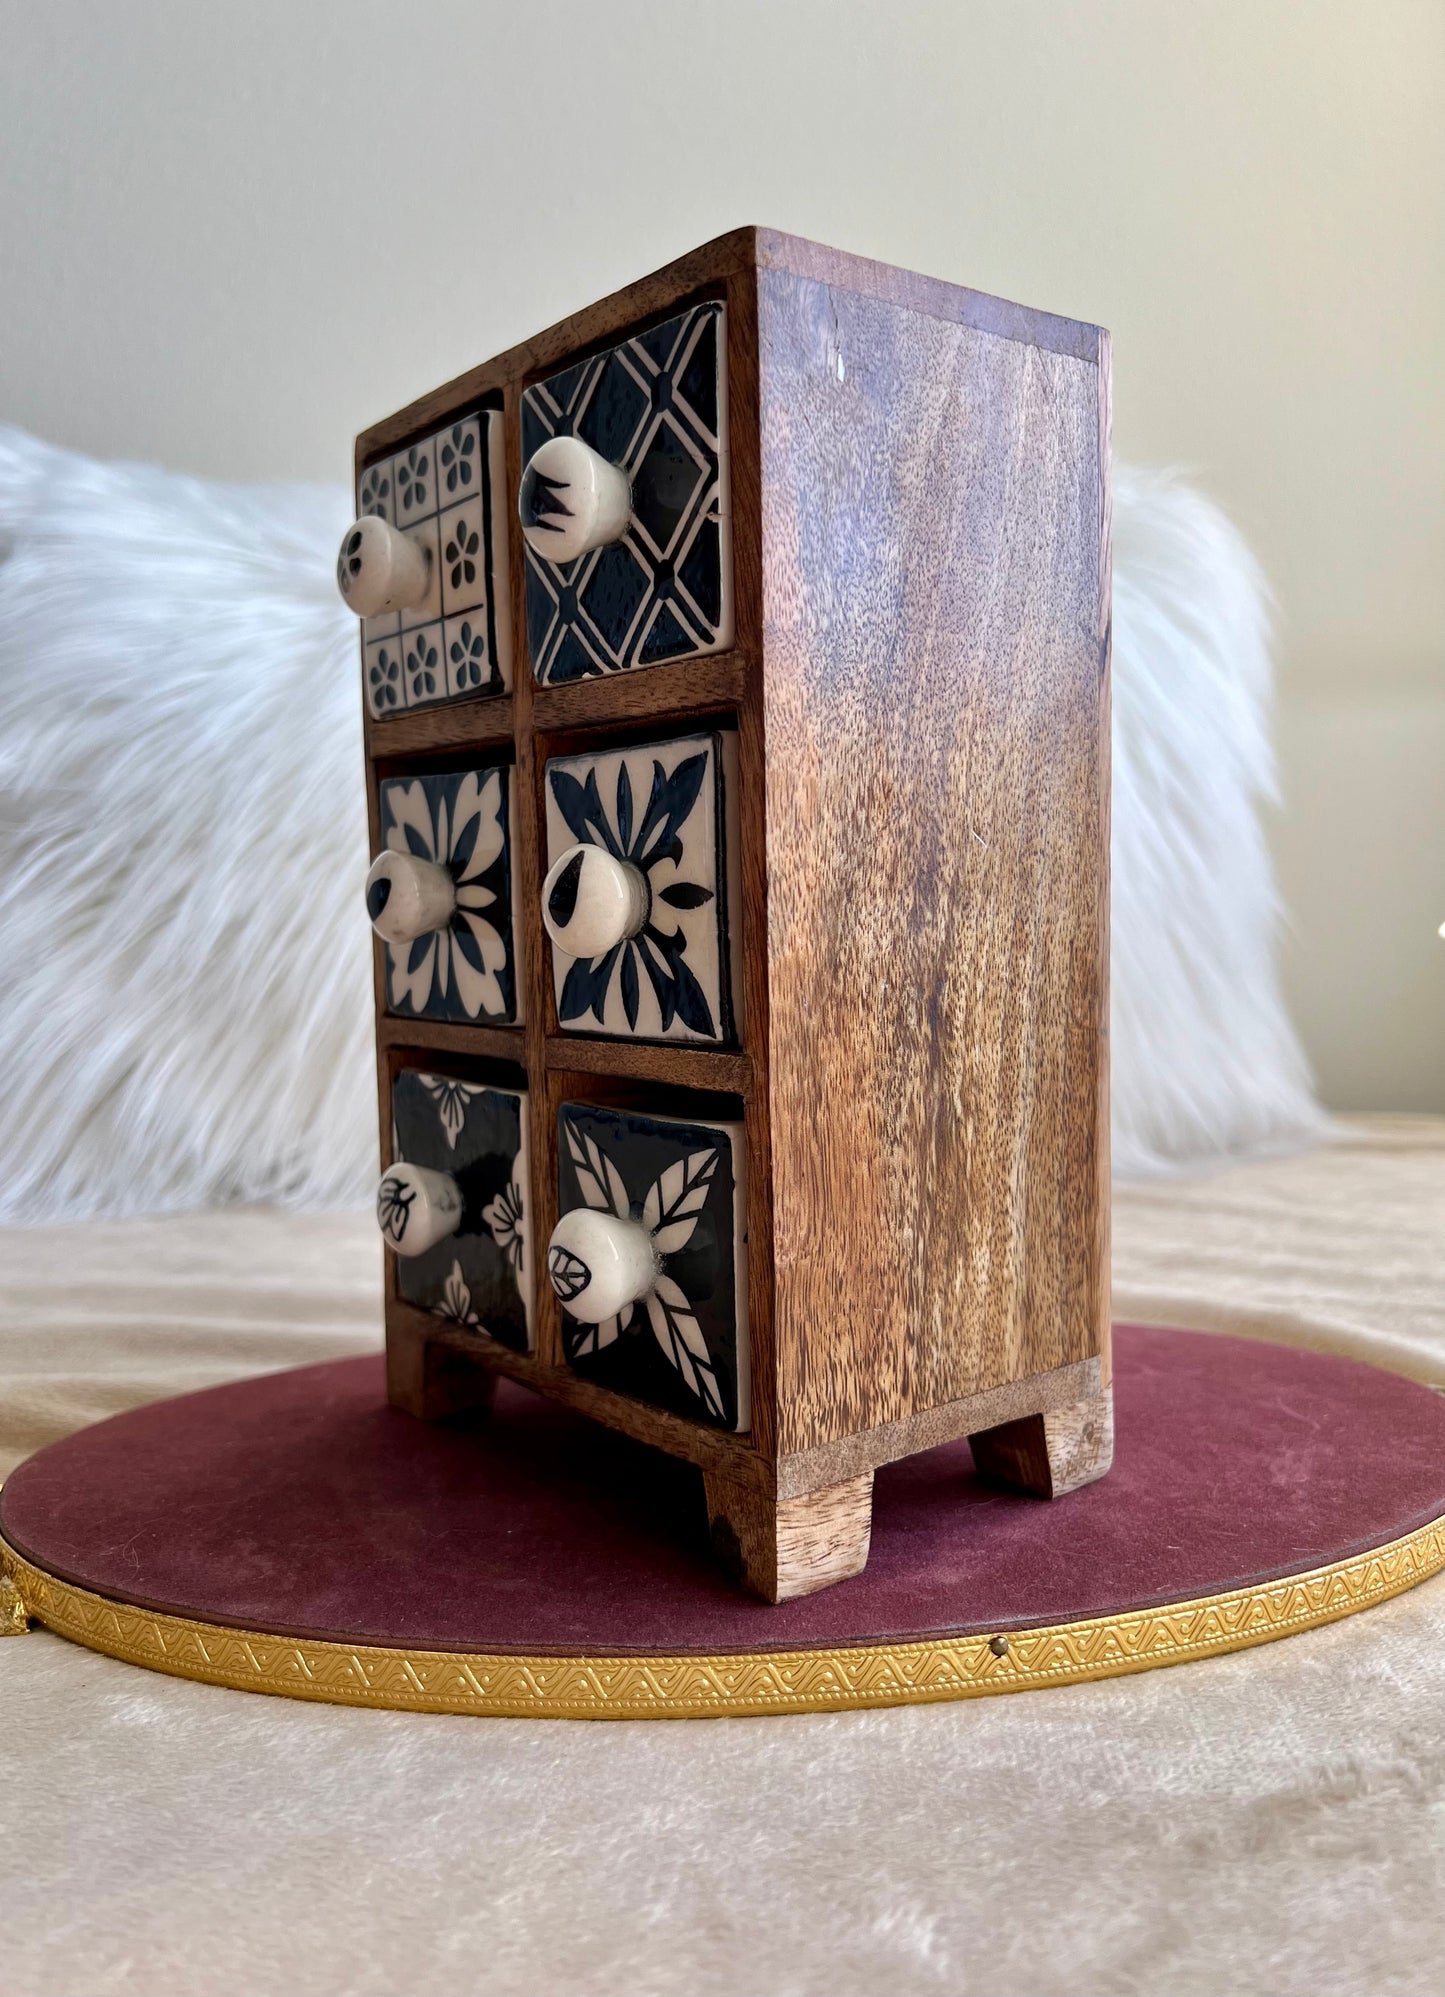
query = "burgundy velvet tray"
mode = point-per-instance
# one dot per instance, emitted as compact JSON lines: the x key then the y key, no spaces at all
{"x":534,"y":1562}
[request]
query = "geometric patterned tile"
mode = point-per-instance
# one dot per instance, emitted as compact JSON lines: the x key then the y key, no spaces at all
{"x":447,"y":490}
{"x":657,"y":406}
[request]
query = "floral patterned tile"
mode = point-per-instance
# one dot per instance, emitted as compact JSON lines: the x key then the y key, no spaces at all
{"x":468,"y":662}
{"x":458,"y":461}
{"x":448,"y":490}
{"x":684,"y":1346}
{"x":385,"y":684}
{"x":414,"y":482}
{"x":374,"y":492}
{"x":462,"y":821}
{"x":422,"y":665}
{"x":657,"y":406}
{"x":669,"y":810}
{"x":480,"y":1278}
{"x":463,"y":582}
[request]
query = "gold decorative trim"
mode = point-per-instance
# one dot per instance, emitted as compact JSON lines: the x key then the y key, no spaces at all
{"x":14,"y":1620}
{"x":692,"y":1687}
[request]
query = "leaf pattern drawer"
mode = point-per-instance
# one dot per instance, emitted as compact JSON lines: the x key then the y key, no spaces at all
{"x":441,"y":895}
{"x":648,"y":1259}
{"x":452,"y":1206}
{"x":624,"y":503}
{"x":641,"y":898}
{"x":452,"y":637}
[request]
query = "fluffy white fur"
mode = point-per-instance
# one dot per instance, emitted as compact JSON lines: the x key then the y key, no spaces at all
{"x":185,"y":975}
{"x":1205,"y":1059}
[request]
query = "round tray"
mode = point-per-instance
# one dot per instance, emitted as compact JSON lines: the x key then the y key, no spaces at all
{"x":292,"y":1534}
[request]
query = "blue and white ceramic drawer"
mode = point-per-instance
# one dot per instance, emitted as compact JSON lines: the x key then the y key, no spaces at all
{"x":624,"y":503}
{"x":641,"y":898}
{"x":441,"y":895}
{"x":425,"y":567}
{"x":648,"y":1259}
{"x":452,"y":1205}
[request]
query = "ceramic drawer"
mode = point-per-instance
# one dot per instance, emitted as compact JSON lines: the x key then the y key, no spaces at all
{"x":659,"y":585}
{"x":442,"y":894}
{"x":447,"y":493}
{"x":452,"y":1206}
{"x":648,"y":1258}
{"x":642,"y":897}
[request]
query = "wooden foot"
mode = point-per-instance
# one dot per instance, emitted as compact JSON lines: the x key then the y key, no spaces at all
{"x":783,"y":1548}
{"x":431,"y":1381}
{"x":1050,"y":1454}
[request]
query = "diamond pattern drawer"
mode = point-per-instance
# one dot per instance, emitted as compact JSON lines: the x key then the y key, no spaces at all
{"x":655,"y":407}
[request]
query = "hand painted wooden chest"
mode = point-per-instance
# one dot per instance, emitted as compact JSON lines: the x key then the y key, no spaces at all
{"x":736,"y":666}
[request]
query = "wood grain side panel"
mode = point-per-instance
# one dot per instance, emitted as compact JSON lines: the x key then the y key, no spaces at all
{"x":1103,"y":1140}
{"x":934,"y":715}
{"x":930,"y":295}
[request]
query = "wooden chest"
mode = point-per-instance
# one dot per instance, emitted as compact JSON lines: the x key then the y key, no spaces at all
{"x":737,"y":675}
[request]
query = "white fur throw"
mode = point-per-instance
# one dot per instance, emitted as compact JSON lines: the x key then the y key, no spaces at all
{"x":185,"y":985}
{"x":1205,"y":1060}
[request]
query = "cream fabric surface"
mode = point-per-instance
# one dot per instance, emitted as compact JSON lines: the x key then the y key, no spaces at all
{"x":1268,"y":1822}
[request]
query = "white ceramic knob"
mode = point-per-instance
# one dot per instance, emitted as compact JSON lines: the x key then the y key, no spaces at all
{"x":599,"y":1264}
{"x":417,"y":1208}
{"x":407,"y":897}
{"x":591,"y":902}
{"x":572,"y":500}
{"x":380,"y":569}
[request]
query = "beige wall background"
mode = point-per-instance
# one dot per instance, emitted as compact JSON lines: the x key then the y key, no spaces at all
{"x":230,"y":236}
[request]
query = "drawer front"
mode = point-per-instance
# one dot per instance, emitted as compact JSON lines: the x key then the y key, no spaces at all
{"x":446,"y":492}
{"x":479,"y":1277}
{"x":665,"y":815}
{"x":655,"y":406}
{"x":458,"y":828}
{"x":648,"y":1259}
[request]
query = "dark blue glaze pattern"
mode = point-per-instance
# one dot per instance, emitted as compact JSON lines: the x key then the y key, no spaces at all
{"x":652,"y":405}
{"x":682,"y":1347}
{"x":478,"y":1277}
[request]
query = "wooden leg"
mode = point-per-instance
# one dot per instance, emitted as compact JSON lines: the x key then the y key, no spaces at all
{"x":1050,"y":1454}
{"x":431,"y":1380}
{"x":783,"y":1548}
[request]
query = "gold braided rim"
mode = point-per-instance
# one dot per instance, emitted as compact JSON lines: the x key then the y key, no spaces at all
{"x":694,"y":1686}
